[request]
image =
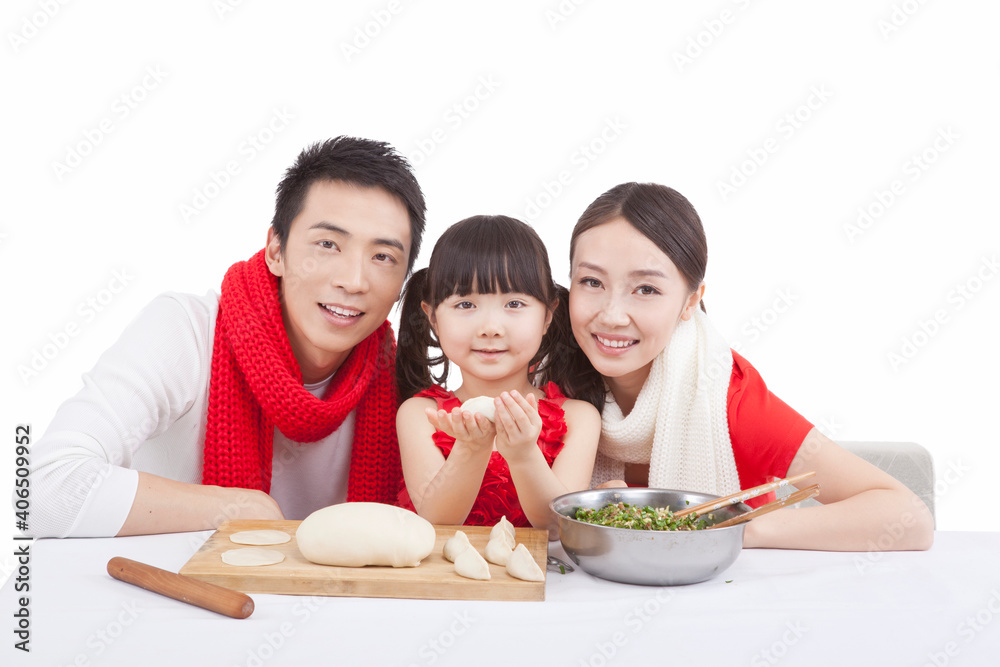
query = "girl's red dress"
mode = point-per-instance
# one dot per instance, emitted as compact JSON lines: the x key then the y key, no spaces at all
{"x":497,"y":495}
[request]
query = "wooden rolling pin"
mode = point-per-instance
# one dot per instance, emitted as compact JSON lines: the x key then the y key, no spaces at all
{"x":177,"y":586}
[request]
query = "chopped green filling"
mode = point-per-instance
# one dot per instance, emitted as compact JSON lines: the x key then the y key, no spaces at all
{"x":623,"y":515}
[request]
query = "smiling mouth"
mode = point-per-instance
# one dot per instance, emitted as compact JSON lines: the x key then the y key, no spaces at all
{"x":340,"y":311}
{"x":616,"y":344}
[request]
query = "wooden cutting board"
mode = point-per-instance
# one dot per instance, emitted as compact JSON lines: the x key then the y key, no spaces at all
{"x":433,"y":579}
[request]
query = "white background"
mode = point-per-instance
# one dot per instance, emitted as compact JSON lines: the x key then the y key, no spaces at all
{"x":845,"y":95}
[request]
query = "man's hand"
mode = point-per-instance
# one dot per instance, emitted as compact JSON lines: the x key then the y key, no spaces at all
{"x":164,"y":505}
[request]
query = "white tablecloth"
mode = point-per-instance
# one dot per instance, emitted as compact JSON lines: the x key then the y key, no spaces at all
{"x":940,"y":607}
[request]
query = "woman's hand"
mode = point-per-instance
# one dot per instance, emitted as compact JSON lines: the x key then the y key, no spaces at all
{"x":518,"y":425}
{"x":613,"y":484}
{"x":471,"y":428}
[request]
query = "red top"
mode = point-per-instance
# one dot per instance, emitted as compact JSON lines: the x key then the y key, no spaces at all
{"x":497,"y":495}
{"x":765,"y":432}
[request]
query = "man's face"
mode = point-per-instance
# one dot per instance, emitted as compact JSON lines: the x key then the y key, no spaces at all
{"x":342,"y":269}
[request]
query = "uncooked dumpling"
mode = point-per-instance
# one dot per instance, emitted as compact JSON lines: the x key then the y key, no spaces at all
{"x":471,"y":565}
{"x":260,"y":538}
{"x":523,"y":566}
{"x":498,"y":550}
{"x":252,"y":557}
{"x":456,"y":545}
{"x":504,"y":526}
{"x":359,"y":534}
{"x":483,"y":405}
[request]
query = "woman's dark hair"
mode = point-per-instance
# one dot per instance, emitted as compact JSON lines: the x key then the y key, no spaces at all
{"x":665,"y":217}
{"x":363,"y":162}
{"x":484,"y":254}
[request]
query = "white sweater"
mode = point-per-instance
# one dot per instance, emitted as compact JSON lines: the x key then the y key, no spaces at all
{"x":144,"y":407}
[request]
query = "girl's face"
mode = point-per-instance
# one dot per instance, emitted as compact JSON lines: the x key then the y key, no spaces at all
{"x":626,"y":298}
{"x":491,"y":337}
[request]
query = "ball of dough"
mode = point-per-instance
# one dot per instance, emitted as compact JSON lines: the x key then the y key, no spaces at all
{"x":483,"y":405}
{"x":359,"y":534}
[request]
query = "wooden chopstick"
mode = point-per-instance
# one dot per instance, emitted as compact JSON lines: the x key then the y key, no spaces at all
{"x":741,"y":496}
{"x":790,"y":499}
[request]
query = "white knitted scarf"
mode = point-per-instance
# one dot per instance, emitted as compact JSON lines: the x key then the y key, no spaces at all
{"x":679,"y":423}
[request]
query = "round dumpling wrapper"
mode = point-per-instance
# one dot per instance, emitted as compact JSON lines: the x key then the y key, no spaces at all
{"x":252,"y":557}
{"x":260,"y":538}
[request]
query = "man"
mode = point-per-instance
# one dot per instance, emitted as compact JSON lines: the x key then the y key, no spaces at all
{"x":270,"y":400}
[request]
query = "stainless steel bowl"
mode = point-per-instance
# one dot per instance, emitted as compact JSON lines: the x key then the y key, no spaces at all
{"x":649,"y":557}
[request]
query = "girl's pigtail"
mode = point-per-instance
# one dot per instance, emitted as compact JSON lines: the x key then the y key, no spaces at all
{"x":415,"y":338}
{"x":562,"y":360}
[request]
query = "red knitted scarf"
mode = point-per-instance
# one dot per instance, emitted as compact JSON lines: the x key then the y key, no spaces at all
{"x":256,"y":386}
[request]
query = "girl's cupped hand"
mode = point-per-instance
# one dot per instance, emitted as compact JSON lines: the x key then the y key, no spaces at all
{"x":518,"y":425}
{"x":471,"y":428}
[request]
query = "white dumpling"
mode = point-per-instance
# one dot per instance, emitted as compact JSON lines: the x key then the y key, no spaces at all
{"x":498,"y":551}
{"x":456,"y":545}
{"x":522,"y":566}
{"x":504,"y":526}
{"x":471,"y":565}
{"x":483,"y":405}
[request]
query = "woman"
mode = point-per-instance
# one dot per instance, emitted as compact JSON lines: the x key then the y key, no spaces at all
{"x":679,"y":408}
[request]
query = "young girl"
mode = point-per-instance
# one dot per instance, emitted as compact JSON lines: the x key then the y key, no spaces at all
{"x":487,"y":300}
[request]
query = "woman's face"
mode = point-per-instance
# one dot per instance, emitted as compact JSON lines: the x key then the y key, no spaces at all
{"x":626,"y":298}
